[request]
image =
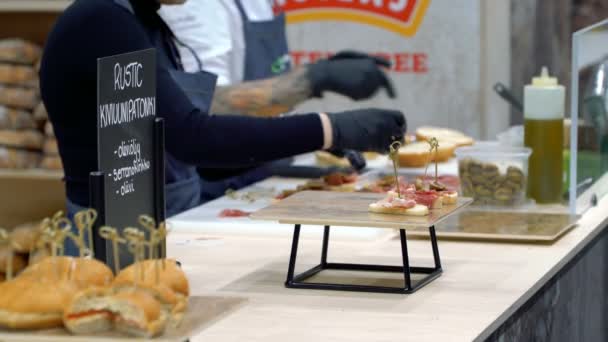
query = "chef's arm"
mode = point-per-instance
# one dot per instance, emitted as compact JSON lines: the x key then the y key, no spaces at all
{"x":349,"y":73}
{"x":268,"y":97}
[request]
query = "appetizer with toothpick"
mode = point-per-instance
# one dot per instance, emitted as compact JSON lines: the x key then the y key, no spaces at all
{"x":414,"y":199}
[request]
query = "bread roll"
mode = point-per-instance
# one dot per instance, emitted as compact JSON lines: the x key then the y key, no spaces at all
{"x":19,"y":51}
{"x":51,"y":162}
{"x":444,"y":135}
{"x":449,"y":197}
{"x":135,"y":311}
{"x":138,"y":313}
{"x":12,"y":158}
{"x":19,"y":261}
{"x":23,"y":139}
{"x":417,"y":210}
{"x":48,"y":129}
{"x":89,"y":312}
{"x":25,"y":236}
{"x":171,"y":275}
{"x":37,"y":297}
{"x":17,"y":74}
{"x":418,"y":154}
{"x":172,"y":302}
{"x":40,"y":114}
{"x":30,"y":303}
{"x":19,"y":97}
{"x":50,"y":147}
{"x":83,"y":272}
{"x":15,"y":119}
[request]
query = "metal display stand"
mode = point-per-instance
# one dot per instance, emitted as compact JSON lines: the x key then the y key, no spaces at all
{"x":298,"y":281}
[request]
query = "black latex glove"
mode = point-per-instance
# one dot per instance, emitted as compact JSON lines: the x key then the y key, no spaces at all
{"x":367,"y":129}
{"x":350,"y":73}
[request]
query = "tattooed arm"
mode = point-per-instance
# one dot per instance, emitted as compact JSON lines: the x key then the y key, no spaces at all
{"x":269,"y":97}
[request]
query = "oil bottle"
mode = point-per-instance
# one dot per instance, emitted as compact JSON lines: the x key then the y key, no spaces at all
{"x":544,"y":103}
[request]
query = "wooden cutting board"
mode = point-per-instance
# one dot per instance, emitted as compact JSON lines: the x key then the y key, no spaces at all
{"x":202,"y":312}
{"x":348,"y":209}
{"x":474,"y":224}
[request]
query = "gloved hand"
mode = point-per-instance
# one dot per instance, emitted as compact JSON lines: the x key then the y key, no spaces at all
{"x":367,"y":129}
{"x":350,"y":73}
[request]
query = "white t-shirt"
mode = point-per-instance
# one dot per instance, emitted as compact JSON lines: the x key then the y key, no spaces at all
{"x":214,"y":30}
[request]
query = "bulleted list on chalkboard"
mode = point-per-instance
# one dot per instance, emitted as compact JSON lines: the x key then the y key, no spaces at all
{"x":134,"y":165}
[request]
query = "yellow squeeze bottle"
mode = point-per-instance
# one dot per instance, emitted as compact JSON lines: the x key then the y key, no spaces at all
{"x":544,"y":103}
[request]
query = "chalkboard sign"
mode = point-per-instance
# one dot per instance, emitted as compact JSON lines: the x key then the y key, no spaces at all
{"x":126,"y":111}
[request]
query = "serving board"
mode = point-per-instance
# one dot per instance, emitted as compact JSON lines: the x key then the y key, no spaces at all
{"x":202,"y":312}
{"x":504,"y":226}
{"x":347,"y":209}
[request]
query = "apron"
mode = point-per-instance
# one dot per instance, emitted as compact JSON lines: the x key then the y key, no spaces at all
{"x":183,"y":187}
{"x":266,"y":55}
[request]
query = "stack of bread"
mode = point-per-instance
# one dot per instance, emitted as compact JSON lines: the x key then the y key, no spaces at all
{"x":418,"y":153}
{"x":50,"y":151}
{"x":20,"y":137}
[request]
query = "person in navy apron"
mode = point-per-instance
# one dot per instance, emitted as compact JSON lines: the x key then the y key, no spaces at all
{"x":91,"y":29}
{"x":266,"y":56}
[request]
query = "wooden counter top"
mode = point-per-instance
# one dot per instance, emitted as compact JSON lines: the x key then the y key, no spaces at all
{"x":482,"y":285}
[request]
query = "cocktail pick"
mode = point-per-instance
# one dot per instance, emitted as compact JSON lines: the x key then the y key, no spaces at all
{"x":62,"y":228}
{"x":111,"y":234}
{"x":393,"y":154}
{"x":162,"y":240}
{"x":6,"y":239}
{"x":150,"y":225}
{"x":435,"y":144}
{"x":136,"y":239}
{"x":84,"y":221}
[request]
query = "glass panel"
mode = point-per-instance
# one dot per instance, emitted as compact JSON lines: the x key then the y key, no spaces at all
{"x":589,"y":134}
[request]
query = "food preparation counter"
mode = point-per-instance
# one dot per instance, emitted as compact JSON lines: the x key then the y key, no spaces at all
{"x":488,"y":291}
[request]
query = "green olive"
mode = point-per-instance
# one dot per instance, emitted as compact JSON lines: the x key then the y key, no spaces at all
{"x":503,"y":194}
{"x":482,"y":191}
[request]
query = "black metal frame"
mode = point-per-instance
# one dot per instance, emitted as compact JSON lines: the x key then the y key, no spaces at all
{"x":298,"y":281}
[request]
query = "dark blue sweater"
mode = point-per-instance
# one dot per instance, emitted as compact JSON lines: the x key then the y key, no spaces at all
{"x":90,"y":29}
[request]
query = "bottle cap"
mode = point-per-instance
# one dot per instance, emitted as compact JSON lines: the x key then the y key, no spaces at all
{"x":544,"y":80}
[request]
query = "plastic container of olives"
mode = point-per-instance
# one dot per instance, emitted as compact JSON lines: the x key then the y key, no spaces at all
{"x":493,"y":175}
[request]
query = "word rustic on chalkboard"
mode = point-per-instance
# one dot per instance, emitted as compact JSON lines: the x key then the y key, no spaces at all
{"x":126,"y":102}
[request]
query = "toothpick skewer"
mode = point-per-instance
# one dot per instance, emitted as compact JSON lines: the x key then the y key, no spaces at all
{"x":162,"y":240}
{"x":393,"y":154}
{"x":111,"y":234}
{"x":136,"y":238}
{"x":84,"y":221}
{"x":6,"y":239}
{"x":435,"y":144}
{"x":150,"y":225}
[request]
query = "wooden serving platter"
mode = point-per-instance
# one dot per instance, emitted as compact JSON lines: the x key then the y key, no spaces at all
{"x":347,"y":209}
{"x":472,"y":224}
{"x":202,"y":312}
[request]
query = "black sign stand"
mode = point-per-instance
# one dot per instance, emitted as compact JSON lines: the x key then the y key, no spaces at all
{"x":97,"y":192}
{"x":131,"y":161}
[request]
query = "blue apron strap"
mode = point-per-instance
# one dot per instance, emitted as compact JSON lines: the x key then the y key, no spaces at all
{"x":199,"y":63}
{"x":242,"y":10}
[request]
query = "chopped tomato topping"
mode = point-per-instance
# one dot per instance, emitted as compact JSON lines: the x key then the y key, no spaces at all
{"x":234,"y":213}
{"x":87,"y":313}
